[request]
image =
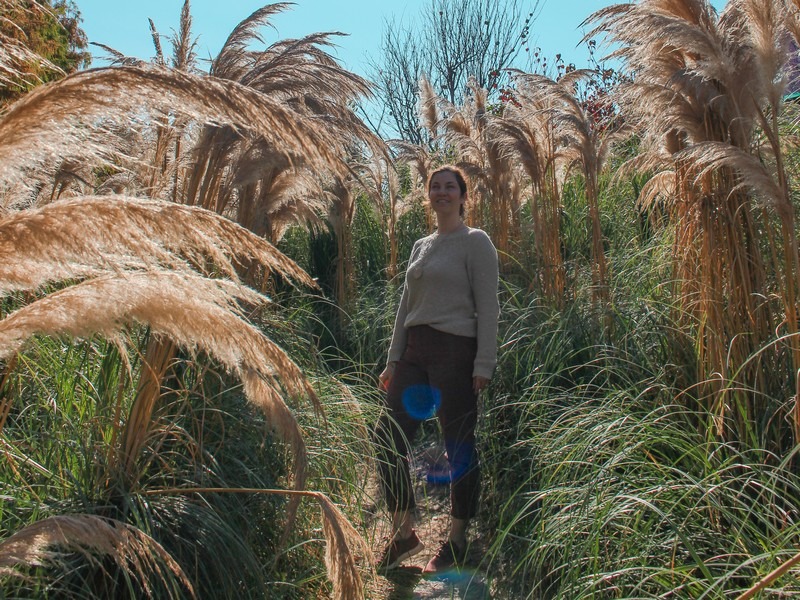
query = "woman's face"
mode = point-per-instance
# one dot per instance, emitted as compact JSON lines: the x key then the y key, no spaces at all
{"x":445,"y":195}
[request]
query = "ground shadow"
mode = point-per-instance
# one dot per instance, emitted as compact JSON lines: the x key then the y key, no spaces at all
{"x":407,"y":583}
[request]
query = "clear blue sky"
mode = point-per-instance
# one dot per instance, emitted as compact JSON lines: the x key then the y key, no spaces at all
{"x":123,"y":25}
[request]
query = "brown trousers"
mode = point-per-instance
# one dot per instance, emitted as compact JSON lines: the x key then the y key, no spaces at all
{"x":434,"y":376}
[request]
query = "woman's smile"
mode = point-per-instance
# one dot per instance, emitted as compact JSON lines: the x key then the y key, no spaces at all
{"x":444,"y":192}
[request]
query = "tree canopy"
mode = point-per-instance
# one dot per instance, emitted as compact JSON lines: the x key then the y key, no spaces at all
{"x":46,"y":39}
{"x":454,"y":40}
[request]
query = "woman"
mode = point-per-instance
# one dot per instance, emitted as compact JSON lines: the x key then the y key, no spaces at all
{"x":442,"y":354}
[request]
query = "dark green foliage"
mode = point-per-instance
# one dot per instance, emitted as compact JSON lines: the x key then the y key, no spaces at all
{"x":203,"y":434}
{"x":369,"y":244}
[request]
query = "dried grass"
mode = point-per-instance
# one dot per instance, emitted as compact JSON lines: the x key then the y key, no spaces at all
{"x":378,"y":178}
{"x":526,"y":134}
{"x":15,"y":56}
{"x":85,"y":236}
{"x":706,"y":87}
{"x":274,"y":126}
{"x":583,"y":142}
{"x":134,"y":552}
{"x":429,"y":107}
{"x":793,"y":20}
{"x":340,"y":536}
{"x":496,"y":187}
{"x":195,"y":312}
{"x":275,"y":184}
{"x":66,"y":118}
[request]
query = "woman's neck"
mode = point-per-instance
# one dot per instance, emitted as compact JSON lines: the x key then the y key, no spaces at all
{"x":444,"y":226}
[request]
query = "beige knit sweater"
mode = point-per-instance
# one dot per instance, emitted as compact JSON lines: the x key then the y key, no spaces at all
{"x":451,"y":285}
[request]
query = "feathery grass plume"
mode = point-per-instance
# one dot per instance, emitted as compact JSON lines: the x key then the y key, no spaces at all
{"x":421,"y":158}
{"x":310,"y":85}
{"x":702,"y":81}
{"x":420,"y":161}
{"x":160,"y":171}
{"x":183,"y":44}
{"x":231,"y":57}
{"x":159,"y":57}
{"x":263,"y":184}
{"x":141,"y":558}
{"x":384,"y":191}
{"x":192,"y":311}
{"x":272,"y":193}
{"x":793,"y":20}
{"x":86,"y":235}
{"x":661,"y":185}
{"x":169,"y":133}
{"x":526,"y":133}
{"x":583,"y":141}
{"x":397,"y":207}
{"x":492,"y":174}
{"x":117,"y":58}
{"x":63,"y":119}
{"x":429,"y":107}
{"x":764,"y":27}
{"x":340,"y":535}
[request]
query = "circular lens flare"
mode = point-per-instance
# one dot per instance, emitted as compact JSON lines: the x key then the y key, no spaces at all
{"x":422,"y":401}
{"x":460,"y":460}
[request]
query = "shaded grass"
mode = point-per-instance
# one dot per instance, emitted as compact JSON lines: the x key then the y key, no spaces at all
{"x":58,"y":461}
{"x":603,"y":481}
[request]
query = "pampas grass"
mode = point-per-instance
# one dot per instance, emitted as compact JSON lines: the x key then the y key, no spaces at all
{"x":195,"y":312}
{"x":136,"y":554}
{"x":260,"y":139}
{"x":495,"y":187}
{"x":270,"y":180}
{"x":15,"y":55}
{"x":85,"y":236}
{"x":706,"y":87}
{"x":583,"y":142}
{"x":52,"y":120}
{"x":526,"y":133}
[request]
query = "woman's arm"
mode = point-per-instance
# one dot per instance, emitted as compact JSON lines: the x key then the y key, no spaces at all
{"x":484,"y":279}
{"x":385,"y":378}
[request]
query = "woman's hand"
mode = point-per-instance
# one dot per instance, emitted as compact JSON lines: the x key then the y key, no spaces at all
{"x":479,"y":383}
{"x":385,"y":378}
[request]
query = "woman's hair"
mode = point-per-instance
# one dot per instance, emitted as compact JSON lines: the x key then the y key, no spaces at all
{"x":461,"y":180}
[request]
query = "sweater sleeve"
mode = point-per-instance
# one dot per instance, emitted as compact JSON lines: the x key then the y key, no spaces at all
{"x":484,"y":279}
{"x":399,"y":333}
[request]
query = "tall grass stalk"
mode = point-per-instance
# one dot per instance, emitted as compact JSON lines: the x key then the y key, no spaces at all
{"x":701,"y":104}
{"x":260,"y":182}
{"x":208,"y":438}
{"x":144,"y":272}
{"x":495,"y":193}
{"x":584,"y":140}
{"x":526,"y":132}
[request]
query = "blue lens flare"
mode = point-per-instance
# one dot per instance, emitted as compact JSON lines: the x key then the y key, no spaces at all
{"x":460,"y":457}
{"x":422,"y":401}
{"x":466,"y":579}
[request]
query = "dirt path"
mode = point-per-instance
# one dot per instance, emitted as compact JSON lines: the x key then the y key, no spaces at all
{"x":406,"y":582}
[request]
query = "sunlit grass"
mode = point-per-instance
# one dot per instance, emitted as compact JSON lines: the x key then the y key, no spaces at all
{"x":637,"y":447}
